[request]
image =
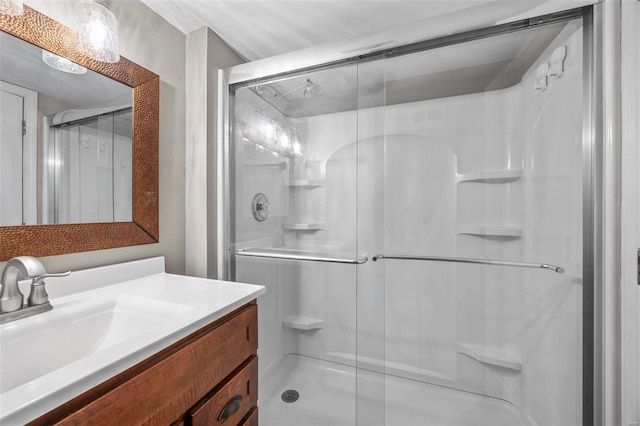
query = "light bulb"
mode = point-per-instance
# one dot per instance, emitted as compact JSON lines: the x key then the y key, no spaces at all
{"x":268,"y":132}
{"x":284,"y":140}
{"x":297,"y":149}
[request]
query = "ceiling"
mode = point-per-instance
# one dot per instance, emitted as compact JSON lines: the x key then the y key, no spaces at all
{"x":258,"y":29}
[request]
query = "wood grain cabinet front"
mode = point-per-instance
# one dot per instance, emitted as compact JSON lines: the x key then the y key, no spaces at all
{"x":231,"y":401}
{"x":196,"y":378}
{"x":251,"y":419}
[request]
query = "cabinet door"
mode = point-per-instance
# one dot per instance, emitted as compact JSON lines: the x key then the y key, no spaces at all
{"x":231,"y":401}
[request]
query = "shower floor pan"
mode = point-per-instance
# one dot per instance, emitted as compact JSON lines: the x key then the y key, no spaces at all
{"x":326,"y":398}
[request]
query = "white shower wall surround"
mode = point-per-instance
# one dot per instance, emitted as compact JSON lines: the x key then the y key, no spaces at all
{"x":495,"y":175}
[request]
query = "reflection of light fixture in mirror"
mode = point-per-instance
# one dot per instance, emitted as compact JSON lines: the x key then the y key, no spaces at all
{"x":62,"y":64}
{"x":11,"y":7}
{"x":96,"y":31}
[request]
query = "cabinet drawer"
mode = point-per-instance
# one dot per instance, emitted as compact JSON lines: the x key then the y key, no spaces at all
{"x":177,"y":380}
{"x":231,"y":401}
{"x":251,"y":419}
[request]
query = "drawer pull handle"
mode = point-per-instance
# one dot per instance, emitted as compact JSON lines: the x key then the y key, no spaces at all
{"x":231,"y":408}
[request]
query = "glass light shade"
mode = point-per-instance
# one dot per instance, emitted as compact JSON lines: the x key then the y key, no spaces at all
{"x":62,"y":64}
{"x":11,"y":7}
{"x":96,"y":32}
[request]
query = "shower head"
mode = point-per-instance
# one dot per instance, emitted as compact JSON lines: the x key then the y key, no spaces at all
{"x":311,"y":89}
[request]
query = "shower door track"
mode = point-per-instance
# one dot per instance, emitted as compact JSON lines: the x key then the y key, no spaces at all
{"x":419,"y":46}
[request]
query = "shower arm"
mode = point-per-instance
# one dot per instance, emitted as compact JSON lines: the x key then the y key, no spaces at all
{"x":558,"y":269}
{"x":291,"y":91}
{"x":306,"y":84}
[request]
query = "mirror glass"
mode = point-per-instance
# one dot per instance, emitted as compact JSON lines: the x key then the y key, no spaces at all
{"x":65,"y":143}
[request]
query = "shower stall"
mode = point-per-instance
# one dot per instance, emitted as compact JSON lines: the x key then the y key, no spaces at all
{"x":423,"y":219}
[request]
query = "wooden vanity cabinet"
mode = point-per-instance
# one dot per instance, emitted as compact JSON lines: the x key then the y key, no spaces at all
{"x":225,"y":403}
{"x":207,"y":378}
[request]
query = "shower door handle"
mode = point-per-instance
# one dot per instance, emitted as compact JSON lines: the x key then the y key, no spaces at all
{"x":554,"y":268}
{"x":275,"y":254}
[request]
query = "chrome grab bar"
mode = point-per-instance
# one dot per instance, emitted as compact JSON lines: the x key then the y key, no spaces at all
{"x":251,"y":252}
{"x":558,"y":269}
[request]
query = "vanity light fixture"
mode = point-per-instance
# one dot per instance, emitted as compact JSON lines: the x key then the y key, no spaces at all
{"x":11,"y":7}
{"x":96,"y":31}
{"x":62,"y":64}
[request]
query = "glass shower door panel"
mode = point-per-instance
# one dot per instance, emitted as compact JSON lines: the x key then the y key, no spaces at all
{"x":483,"y":163}
{"x":294,"y":231}
{"x":370,"y":151}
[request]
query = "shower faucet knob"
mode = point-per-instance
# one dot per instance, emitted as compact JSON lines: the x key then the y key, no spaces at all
{"x":260,"y":207}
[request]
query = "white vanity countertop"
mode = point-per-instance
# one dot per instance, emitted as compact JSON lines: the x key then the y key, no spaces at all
{"x":104,"y":321}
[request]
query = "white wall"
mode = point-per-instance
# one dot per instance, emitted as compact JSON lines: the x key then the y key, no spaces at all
{"x":206,"y":54}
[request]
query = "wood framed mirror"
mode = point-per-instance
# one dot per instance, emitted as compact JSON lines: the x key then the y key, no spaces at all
{"x":47,"y":240}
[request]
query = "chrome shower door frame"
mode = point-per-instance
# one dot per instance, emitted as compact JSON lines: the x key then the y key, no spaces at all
{"x":601,"y":225}
{"x":598,"y":239}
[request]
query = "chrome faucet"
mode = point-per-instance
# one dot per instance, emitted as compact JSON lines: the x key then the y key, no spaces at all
{"x":12,"y":306}
{"x":20,"y":267}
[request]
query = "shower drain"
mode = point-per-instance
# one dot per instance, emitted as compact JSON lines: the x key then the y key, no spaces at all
{"x":290,"y":396}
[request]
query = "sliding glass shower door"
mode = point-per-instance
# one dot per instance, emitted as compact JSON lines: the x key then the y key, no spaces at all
{"x":294,"y":231}
{"x":417,"y":218}
{"x":476,"y":226}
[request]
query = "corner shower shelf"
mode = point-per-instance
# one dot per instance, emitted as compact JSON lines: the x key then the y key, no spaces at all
{"x":304,"y":226}
{"x":497,"y":176}
{"x":302,"y":323}
{"x":490,"y":231}
{"x":306,"y":183}
{"x":491,"y":356}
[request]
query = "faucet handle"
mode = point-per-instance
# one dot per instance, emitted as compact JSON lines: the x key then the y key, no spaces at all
{"x":38,"y":295}
{"x":39,"y":280}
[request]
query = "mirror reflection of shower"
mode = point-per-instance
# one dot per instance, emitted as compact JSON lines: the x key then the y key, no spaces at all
{"x":87,"y":172}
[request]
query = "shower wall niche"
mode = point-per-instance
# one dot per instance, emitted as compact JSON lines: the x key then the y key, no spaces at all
{"x":471,"y":151}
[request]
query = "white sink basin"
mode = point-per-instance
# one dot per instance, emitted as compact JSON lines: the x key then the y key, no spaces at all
{"x":32,"y":348}
{"x":93,"y":334}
